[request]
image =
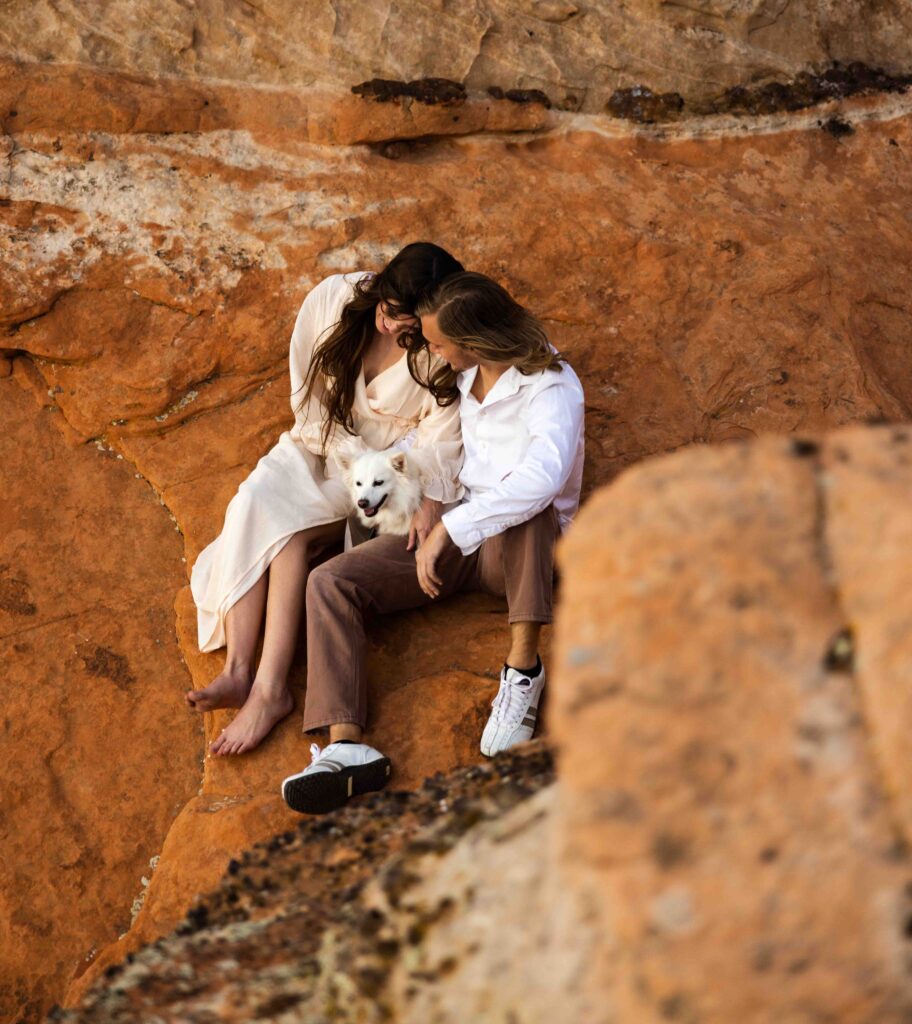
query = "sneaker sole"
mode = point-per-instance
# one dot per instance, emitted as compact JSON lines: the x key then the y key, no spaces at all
{"x":322,"y":792}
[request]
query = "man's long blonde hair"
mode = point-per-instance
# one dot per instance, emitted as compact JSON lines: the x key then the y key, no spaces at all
{"x":479,"y":315}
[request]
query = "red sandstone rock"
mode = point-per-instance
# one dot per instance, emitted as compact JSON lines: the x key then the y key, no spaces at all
{"x":865,"y":478}
{"x":428,"y":709}
{"x":294,"y":922}
{"x":706,"y":288}
{"x":727,"y":837}
{"x":724,"y":807}
{"x":98,"y":758}
{"x":578,"y":54}
{"x":73,"y":98}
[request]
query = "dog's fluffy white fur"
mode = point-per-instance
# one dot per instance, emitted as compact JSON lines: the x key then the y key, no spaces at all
{"x":385,"y":488}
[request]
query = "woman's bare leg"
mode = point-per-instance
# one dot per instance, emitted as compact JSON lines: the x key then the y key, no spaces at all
{"x":270,"y":699}
{"x":230,"y":688}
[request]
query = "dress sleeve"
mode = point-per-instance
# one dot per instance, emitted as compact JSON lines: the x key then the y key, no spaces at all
{"x":318,"y":314}
{"x":436,"y":445}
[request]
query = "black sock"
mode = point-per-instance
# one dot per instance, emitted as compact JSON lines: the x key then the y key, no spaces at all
{"x":530,"y":673}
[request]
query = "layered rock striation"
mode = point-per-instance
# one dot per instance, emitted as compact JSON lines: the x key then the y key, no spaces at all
{"x":578,"y":54}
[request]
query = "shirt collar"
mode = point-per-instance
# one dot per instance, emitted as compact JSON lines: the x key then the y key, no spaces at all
{"x":507,"y":384}
{"x":465,"y":379}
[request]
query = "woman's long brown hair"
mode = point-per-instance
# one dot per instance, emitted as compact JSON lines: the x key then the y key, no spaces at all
{"x":478,"y":314}
{"x":409,"y":276}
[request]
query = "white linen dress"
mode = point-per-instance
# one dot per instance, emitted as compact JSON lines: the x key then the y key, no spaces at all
{"x":292,"y":488}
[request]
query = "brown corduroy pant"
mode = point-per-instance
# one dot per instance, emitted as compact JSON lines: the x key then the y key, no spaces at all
{"x":379,"y":576}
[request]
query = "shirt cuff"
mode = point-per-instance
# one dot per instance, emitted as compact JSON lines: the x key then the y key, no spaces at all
{"x":463,"y":533}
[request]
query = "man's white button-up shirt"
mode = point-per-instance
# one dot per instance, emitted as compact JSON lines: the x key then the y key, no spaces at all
{"x":523,"y":451}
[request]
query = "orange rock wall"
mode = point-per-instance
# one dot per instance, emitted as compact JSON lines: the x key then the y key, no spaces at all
{"x":578,"y":53}
{"x":727,"y":837}
{"x":98,"y":756}
{"x":734,"y":793}
{"x":709,"y":283}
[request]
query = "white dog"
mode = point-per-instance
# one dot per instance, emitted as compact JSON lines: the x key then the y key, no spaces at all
{"x":385,"y":488}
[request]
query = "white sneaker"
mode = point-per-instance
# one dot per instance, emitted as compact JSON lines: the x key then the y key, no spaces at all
{"x":335,"y":773}
{"x":514,"y":711}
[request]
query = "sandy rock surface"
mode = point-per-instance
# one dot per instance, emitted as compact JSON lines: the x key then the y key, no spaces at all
{"x":727,"y":286}
{"x":92,"y":674}
{"x":169,"y":191}
{"x":726,"y":839}
{"x":733,"y":796}
{"x":309,"y":923}
{"x":577,"y":53}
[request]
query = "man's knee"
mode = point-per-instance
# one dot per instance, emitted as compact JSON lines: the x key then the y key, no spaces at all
{"x":324,"y":581}
{"x":545,"y":525}
{"x":534,"y":538}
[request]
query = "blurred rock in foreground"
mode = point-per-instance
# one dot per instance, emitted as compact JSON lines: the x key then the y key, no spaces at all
{"x":728,"y":838}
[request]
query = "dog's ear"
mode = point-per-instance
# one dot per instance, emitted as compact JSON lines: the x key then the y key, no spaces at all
{"x":345,"y":460}
{"x":399,"y":462}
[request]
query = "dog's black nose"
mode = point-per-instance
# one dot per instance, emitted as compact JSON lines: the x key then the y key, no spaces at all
{"x":363,"y":503}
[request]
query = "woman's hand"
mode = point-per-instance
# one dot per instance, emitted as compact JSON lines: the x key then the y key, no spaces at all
{"x":426,"y":560}
{"x":423,"y":521}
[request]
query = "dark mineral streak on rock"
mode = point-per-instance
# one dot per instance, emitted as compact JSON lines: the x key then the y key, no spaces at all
{"x":520,"y":95}
{"x":837,"y":127}
{"x":107,"y":664}
{"x":639,"y":103}
{"x":426,"y":90}
{"x":807,"y":90}
{"x":804,"y":448}
{"x":15,"y":596}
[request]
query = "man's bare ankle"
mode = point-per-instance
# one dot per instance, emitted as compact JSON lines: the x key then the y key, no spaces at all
{"x":522,"y":659}
{"x":345,"y":731}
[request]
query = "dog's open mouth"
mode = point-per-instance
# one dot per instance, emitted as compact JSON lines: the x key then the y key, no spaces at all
{"x":371,"y":512}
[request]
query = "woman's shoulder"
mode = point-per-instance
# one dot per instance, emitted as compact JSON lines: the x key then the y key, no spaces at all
{"x":338,"y":286}
{"x":324,"y":302}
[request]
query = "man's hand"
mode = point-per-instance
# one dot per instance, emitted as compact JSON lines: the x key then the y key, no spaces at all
{"x":426,"y":560}
{"x":423,"y":521}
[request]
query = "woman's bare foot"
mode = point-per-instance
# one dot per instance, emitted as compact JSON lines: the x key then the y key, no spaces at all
{"x":228,"y":690}
{"x":254,"y":721}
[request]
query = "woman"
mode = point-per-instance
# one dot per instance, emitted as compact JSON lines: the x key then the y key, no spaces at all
{"x":352,"y":388}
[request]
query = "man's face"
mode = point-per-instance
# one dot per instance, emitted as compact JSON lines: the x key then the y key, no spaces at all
{"x":444,"y":347}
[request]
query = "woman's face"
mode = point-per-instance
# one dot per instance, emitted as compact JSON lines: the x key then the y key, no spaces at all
{"x":444,"y":347}
{"x":389,"y":322}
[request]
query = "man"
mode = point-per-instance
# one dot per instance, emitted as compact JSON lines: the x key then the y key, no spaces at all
{"x":521,"y":409}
